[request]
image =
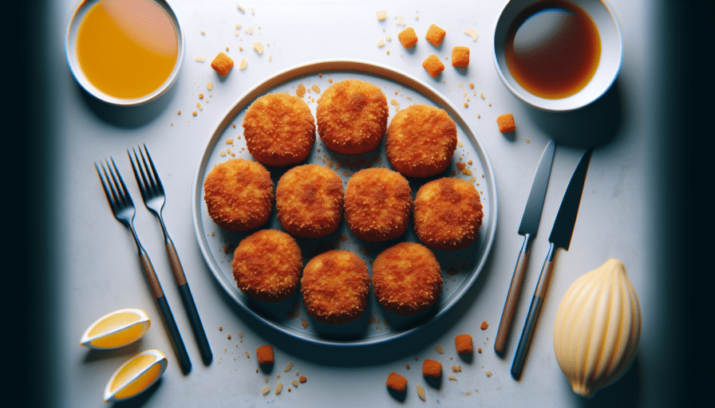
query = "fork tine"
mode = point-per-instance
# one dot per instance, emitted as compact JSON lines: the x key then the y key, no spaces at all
{"x":142,"y":185}
{"x":156,"y":174}
{"x":149,"y":174}
{"x":124,"y":192}
{"x":104,"y":185}
{"x":115,"y":196}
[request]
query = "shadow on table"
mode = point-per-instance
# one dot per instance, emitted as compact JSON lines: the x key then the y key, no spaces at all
{"x":624,"y":393}
{"x":128,"y":117}
{"x":140,"y":399}
{"x":594,"y":125}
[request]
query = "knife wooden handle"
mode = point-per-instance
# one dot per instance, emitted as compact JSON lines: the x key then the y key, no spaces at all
{"x":512,"y":298}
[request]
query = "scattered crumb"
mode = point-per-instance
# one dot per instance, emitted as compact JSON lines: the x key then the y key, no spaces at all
{"x":456,"y":369}
{"x":229,"y":337}
{"x":226,"y":48}
{"x":388,"y":38}
{"x":194,"y":113}
{"x":471,"y":85}
{"x":466,"y":105}
{"x":203,"y":32}
{"x":460,"y":144}
{"x":288,"y":367}
{"x":210,"y":86}
{"x":452,"y":377}
{"x":199,"y":59}
{"x":249,"y":30}
{"x":407,"y":366}
{"x":302,"y":379}
{"x":479,"y":350}
{"x":381,"y":43}
{"x":220,"y":328}
{"x":439,"y":349}
{"x":240,"y":8}
{"x":484,"y":325}
{"x":266,"y":379}
{"x":295,"y":383}
{"x":270,"y":58}
{"x":198,"y":105}
{"x":320,"y":74}
{"x":472,"y":33}
{"x":395,"y":104}
{"x":420,"y":392}
{"x":381,"y":15}
{"x":315,"y":88}
{"x":240,"y":334}
{"x":179,"y":113}
{"x":489,"y":373}
{"x":266,"y":389}
{"x":201,"y":96}
{"x":527,"y":140}
{"x":330,"y":80}
{"x":279,"y":388}
{"x":258,"y":47}
{"x":304,"y":322}
{"x":388,"y":52}
{"x":415,"y":358}
{"x":243,"y":64}
{"x":300,"y":91}
{"x":247,"y":355}
{"x":463,"y":169}
{"x":472,"y":180}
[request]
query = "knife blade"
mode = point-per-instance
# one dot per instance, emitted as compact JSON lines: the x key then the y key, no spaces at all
{"x":560,"y":238}
{"x":528,"y":227}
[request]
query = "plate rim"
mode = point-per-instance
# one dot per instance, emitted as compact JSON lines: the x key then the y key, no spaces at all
{"x":355,"y":65}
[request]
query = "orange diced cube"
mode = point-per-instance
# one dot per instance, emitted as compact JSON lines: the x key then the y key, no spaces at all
{"x":396,"y":382}
{"x":408,"y":37}
{"x":433,"y":65}
{"x":506,"y":125}
{"x":464,"y":344}
{"x":460,"y":57}
{"x":435,"y":35}
{"x":265,"y":355}
{"x":222,"y":64}
{"x":431,"y":368}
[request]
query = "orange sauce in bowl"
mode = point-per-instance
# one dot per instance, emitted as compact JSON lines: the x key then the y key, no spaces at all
{"x":127,"y":49}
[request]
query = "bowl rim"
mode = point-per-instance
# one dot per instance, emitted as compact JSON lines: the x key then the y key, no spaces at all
{"x":534,"y":100}
{"x":76,"y":70}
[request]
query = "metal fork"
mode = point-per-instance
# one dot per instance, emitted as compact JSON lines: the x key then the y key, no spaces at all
{"x":123,"y":208}
{"x":154,"y":198}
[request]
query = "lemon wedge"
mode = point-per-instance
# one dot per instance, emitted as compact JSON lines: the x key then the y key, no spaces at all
{"x":136,"y":375}
{"x":116,"y":329}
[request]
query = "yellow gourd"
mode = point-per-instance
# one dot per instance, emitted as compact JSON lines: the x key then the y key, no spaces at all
{"x":597,"y":328}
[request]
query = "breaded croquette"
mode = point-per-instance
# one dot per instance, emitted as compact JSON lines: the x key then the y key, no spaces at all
{"x":448,"y":214}
{"x":309,"y":200}
{"x":460,"y":57}
{"x":335,"y":285}
{"x":408,"y":37}
{"x":378,"y":204}
{"x":239,"y":195}
{"x":352,"y":116}
{"x":406,"y":278}
{"x":421,"y":140}
{"x":264,"y":354}
{"x":396,"y":382}
{"x":506,"y":123}
{"x":435,"y":35}
{"x":431,"y":368}
{"x":464,"y":344}
{"x":433,"y":65}
{"x":267,"y":264}
{"x":279,"y":129}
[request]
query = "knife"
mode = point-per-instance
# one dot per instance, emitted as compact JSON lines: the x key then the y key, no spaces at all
{"x":528,"y":227}
{"x":560,"y":238}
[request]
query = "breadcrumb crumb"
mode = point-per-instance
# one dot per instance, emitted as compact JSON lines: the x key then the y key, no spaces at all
{"x":421,"y":392}
{"x":472,"y":33}
{"x":381,"y":15}
{"x":199,"y":59}
{"x":258,"y":47}
{"x":484,"y":325}
{"x":243,"y":64}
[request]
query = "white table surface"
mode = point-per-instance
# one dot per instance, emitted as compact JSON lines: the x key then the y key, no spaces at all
{"x":97,"y":270}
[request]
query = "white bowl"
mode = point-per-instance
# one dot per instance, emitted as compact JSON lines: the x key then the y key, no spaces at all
{"x":609,"y":30}
{"x":73,"y":25}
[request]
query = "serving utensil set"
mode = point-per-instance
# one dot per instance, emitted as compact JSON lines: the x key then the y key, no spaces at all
{"x":122,"y":205}
{"x":560,"y":238}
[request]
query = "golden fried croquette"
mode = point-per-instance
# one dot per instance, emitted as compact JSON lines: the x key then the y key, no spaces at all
{"x":335,"y":285}
{"x":396,"y":382}
{"x":264,"y":355}
{"x":433,"y":65}
{"x":279,"y":129}
{"x":408,"y":37}
{"x":267,"y":264}
{"x":378,"y":204}
{"x":352,"y":116}
{"x":309,"y":200}
{"x":239,"y":195}
{"x":448,"y":214}
{"x":464,"y":344}
{"x":406,"y":278}
{"x":460,"y":56}
{"x":431,"y":368}
{"x":435,"y":35}
{"x":421,"y":141}
{"x":222,"y":64}
{"x":506,"y":123}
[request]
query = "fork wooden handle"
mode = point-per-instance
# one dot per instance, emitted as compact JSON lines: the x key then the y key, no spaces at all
{"x":165,"y":311}
{"x":188,"y":299}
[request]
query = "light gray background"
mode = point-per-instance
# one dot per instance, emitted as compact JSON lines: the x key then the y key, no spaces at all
{"x":97,"y":270}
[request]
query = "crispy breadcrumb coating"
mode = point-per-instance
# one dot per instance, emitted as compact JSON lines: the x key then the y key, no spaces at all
{"x":433,"y":65}
{"x":506,"y":123}
{"x":279,"y":129}
{"x":239,"y":195}
{"x":352,"y":116}
{"x":309,"y":200}
{"x":448,"y":214}
{"x":335,"y":286}
{"x":378,"y":204}
{"x":396,"y":382}
{"x":406,"y":278}
{"x":460,"y":56}
{"x":421,"y":140}
{"x":264,"y":354}
{"x":431,"y":368}
{"x":222,"y":64}
{"x":267,"y":264}
{"x":464,"y":344}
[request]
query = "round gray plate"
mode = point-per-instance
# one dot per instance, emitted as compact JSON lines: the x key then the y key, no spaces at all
{"x":460,"y":268}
